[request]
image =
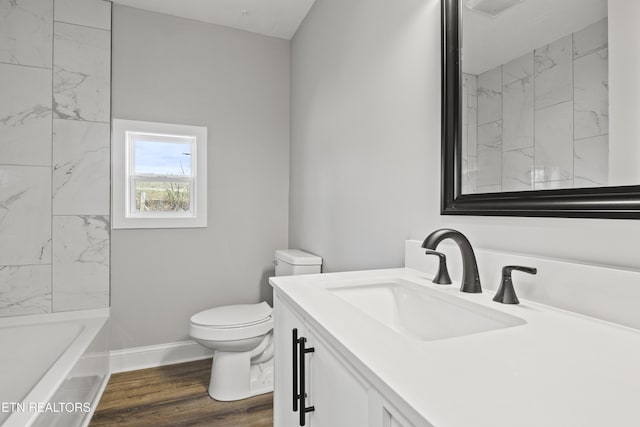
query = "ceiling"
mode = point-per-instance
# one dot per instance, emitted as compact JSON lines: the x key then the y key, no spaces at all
{"x":528,"y":25}
{"x":277,"y":18}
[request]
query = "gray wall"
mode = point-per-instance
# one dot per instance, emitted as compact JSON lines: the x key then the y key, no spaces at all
{"x":365,"y":110}
{"x":236,"y":84}
{"x":365,"y":147}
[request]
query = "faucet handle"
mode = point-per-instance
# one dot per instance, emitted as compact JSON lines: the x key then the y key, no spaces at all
{"x":442,"y":275}
{"x":506,"y":294}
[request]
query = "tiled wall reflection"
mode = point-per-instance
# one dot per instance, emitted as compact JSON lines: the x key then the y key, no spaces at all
{"x":540,"y":121}
{"x":54,"y":155}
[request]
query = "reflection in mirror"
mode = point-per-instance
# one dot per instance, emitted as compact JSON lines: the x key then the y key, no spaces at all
{"x":535,"y":96}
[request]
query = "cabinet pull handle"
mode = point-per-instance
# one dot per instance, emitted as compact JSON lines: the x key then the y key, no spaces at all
{"x":295,"y":369}
{"x":303,"y":394}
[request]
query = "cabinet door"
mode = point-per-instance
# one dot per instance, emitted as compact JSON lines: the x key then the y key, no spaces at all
{"x":339,"y":396}
{"x":284,"y":323}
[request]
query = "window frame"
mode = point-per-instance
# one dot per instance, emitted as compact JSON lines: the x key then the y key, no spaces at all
{"x":124,"y":214}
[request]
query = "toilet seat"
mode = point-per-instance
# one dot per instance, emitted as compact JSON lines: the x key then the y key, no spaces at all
{"x":233,"y":322}
{"x":233,"y":316}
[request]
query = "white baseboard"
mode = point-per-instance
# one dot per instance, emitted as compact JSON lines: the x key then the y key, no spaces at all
{"x":131,"y":359}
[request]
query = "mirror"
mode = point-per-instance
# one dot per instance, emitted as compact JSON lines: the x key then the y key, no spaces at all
{"x":540,"y":104}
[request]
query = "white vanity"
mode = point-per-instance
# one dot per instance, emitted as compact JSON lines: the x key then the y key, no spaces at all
{"x":339,"y":385}
{"x":392,"y":349}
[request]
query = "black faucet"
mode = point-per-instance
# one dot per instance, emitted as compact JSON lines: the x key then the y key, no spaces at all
{"x":442,"y":275}
{"x":506,"y":294}
{"x":470,"y":276}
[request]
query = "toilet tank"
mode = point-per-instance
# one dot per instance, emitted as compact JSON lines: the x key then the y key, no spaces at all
{"x":290,"y":262}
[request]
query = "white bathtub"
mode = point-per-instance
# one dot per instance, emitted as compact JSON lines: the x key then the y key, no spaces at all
{"x":53,"y":368}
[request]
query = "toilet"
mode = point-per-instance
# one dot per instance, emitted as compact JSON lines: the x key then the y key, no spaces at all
{"x":241,"y":336}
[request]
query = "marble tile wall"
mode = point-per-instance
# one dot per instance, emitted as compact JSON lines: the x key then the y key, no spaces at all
{"x":470,"y":132}
{"x":54,"y":155}
{"x":542,"y":118}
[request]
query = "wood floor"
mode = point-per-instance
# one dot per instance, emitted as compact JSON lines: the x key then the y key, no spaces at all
{"x":175,"y":396}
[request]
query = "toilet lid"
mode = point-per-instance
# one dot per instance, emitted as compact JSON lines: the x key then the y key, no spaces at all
{"x":233,"y":316}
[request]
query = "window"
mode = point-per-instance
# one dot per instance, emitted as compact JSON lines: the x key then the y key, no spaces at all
{"x":159,"y":175}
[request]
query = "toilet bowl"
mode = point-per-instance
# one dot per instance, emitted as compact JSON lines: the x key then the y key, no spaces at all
{"x":241,"y":339}
{"x":241,"y":336}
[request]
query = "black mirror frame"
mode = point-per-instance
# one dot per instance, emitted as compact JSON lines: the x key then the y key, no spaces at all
{"x":602,"y":202}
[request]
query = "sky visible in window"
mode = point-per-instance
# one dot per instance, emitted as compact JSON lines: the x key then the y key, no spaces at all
{"x":162,"y":158}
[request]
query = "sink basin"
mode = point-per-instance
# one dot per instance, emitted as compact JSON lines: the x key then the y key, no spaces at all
{"x":419,"y":312}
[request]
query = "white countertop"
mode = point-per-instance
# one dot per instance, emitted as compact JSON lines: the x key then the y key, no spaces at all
{"x":558,"y":369}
